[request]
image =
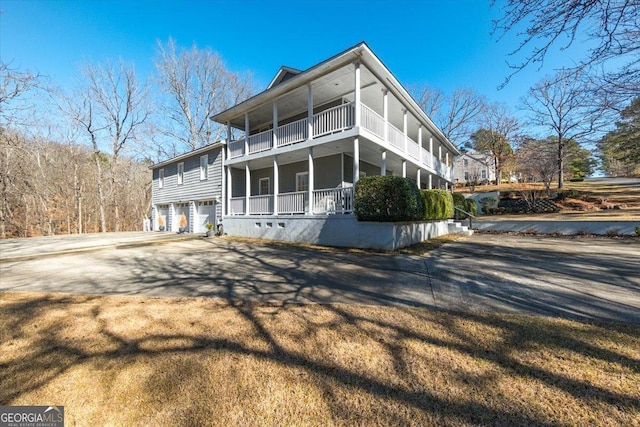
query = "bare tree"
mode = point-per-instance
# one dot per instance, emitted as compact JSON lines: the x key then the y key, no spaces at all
{"x":538,"y":159}
{"x":197,"y":84}
{"x":456,"y":114}
{"x":562,"y":105}
{"x":610,"y":26}
{"x":499,"y":130}
{"x":14,"y":85}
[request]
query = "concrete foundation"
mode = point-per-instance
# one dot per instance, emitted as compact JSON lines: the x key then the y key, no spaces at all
{"x":334,"y":230}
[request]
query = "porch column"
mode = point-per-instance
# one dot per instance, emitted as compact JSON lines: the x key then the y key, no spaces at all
{"x":310,"y":112}
{"x":311,"y":183}
{"x":356,"y":160}
{"x":223,"y":189}
{"x":430,"y":182}
{"x":247,"y":186}
{"x":431,"y":151}
{"x":404,"y":129}
{"x":229,"y":189}
{"x":246,"y":134}
{"x":276,"y":184}
{"x":420,"y":141}
{"x":385,"y":113}
{"x":404,"y":168}
{"x":446,"y":158}
{"x":383,"y":169}
{"x":275,"y":125}
{"x":356,"y":96}
{"x":439,"y":153}
{"x":418,"y":177}
{"x":228,"y":140}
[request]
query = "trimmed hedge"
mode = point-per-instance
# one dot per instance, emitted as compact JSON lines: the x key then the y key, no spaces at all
{"x":387,"y":199}
{"x":438,"y":204}
{"x":467,"y":205}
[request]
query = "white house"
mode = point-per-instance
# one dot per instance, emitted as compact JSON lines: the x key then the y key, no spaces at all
{"x":474,"y":166}
{"x":306,"y":140}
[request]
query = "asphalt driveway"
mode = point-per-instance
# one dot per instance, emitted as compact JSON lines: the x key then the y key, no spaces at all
{"x":593,"y":278}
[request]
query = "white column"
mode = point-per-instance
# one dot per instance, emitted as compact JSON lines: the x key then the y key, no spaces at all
{"x":420,"y":141}
{"x":439,"y":152}
{"x":223,"y":190}
{"x":275,"y":125}
{"x":404,"y":168}
{"x":356,"y":95}
{"x":385,"y":113}
{"x":404,"y":129}
{"x":247,"y":178}
{"x":228,"y":140}
{"x":430,"y":182}
{"x":446,"y":158}
{"x":276,"y":184}
{"x":310,"y":112}
{"x":418,"y":183}
{"x":246,"y":134}
{"x":383,"y":169}
{"x":229,"y":189}
{"x":431,"y":150}
{"x":311,"y":183}
{"x":356,"y":160}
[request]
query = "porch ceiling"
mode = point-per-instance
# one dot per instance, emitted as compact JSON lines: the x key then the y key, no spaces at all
{"x":335,"y":85}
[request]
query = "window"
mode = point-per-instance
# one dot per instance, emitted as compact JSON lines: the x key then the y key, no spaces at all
{"x":264,"y":186}
{"x":484,"y":174}
{"x":180,"y":173}
{"x":204,"y":167}
{"x":302,"y":181}
{"x":466,"y":162}
{"x":161,"y":178}
{"x":466,"y":176}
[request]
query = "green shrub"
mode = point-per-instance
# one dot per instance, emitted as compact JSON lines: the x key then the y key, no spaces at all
{"x":637,"y":229}
{"x":488,"y":203}
{"x":438,"y":204}
{"x":387,"y":199}
{"x":472,"y":206}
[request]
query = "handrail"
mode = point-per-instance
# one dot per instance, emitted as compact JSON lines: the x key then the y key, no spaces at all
{"x":469,"y":215}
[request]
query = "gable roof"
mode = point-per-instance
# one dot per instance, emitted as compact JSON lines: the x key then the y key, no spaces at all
{"x":283,"y":74}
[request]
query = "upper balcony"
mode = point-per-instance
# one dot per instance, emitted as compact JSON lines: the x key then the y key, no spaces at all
{"x":338,"y":119}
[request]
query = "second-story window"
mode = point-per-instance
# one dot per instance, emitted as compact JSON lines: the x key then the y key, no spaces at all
{"x":161,"y":178}
{"x":204,"y":167}
{"x":180,"y":173}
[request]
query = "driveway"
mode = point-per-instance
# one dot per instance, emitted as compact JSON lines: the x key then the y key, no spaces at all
{"x":592,"y":278}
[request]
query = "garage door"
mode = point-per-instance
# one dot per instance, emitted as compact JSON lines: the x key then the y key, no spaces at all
{"x":206,"y":213}
{"x":181,"y":209}
{"x":162,"y":217}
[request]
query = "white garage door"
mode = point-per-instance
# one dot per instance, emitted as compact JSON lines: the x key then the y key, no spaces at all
{"x":206,"y":213}
{"x":181,"y":209}
{"x":162,"y":217}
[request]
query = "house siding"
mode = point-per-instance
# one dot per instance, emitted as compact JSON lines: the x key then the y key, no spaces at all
{"x":193,"y":188}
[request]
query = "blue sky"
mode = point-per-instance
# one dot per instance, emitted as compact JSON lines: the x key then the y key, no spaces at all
{"x":445,"y":43}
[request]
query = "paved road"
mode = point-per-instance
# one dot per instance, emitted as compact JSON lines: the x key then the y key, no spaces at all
{"x":571,"y":277}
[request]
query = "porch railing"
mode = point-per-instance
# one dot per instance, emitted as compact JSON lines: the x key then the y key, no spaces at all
{"x":292,"y":203}
{"x":427,"y":157}
{"x":261,"y":205}
{"x":334,"y":119}
{"x":396,"y":137}
{"x":236,"y":148}
{"x":237,"y":205}
{"x":413,"y":149}
{"x":292,"y":132}
{"x":334,"y":200}
{"x":372,"y":121}
{"x":261,"y":141}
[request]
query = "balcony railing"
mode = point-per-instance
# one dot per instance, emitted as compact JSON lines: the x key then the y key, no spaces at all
{"x":325,"y":202}
{"x":333,"y":120}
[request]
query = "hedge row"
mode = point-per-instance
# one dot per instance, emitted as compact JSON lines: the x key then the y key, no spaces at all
{"x":393,"y":198}
{"x":467,"y":205}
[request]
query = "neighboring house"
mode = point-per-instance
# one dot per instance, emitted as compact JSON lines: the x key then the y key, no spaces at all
{"x":474,"y":166}
{"x":307,"y":140}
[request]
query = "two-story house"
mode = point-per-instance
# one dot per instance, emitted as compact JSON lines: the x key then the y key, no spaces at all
{"x":305,"y":141}
{"x":474,"y":166}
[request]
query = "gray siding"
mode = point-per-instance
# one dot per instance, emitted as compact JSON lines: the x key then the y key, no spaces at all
{"x":237,"y":182}
{"x":365,"y":167}
{"x":327,"y":172}
{"x":193,"y":188}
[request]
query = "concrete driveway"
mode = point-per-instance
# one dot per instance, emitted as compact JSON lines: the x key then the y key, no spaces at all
{"x":569,"y":277}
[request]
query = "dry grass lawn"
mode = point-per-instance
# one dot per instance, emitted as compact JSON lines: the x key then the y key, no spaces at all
{"x":186,"y":362}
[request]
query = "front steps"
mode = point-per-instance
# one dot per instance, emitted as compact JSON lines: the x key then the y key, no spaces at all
{"x":458,"y":228}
